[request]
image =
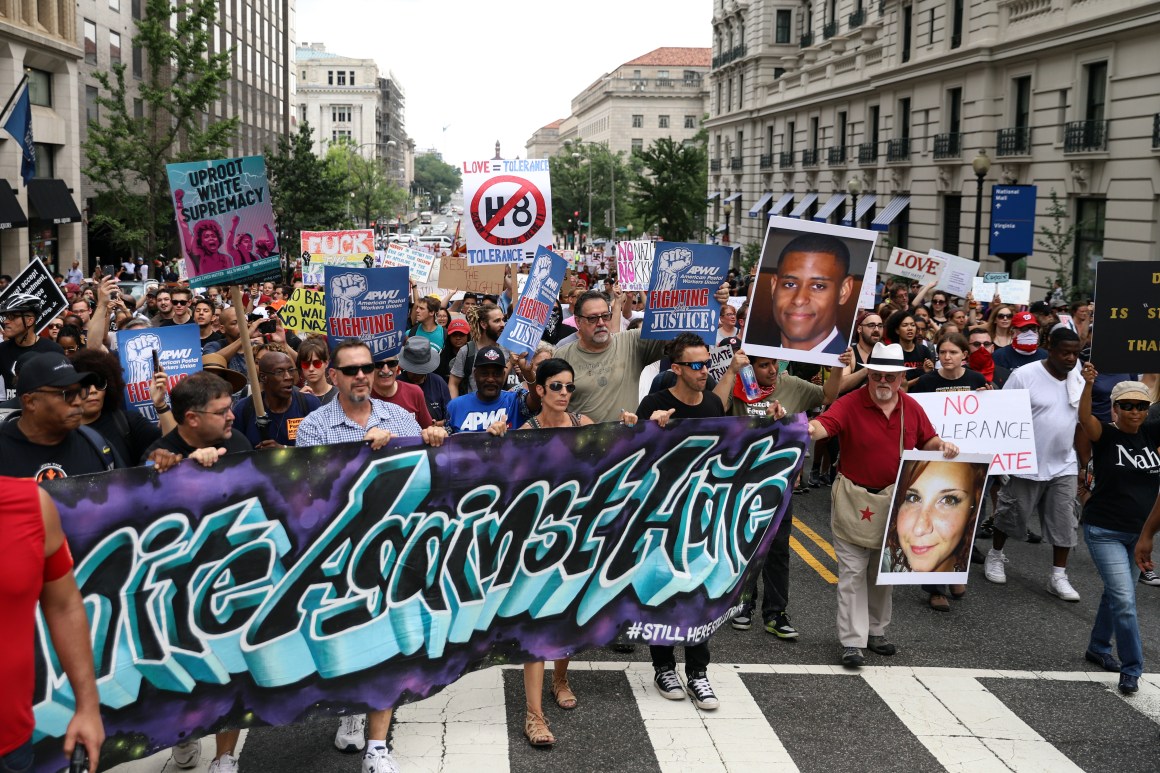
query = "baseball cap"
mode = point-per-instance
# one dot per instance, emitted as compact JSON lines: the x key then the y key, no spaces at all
{"x":1131,"y":390}
{"x":1024,"y":319}
{"x":458,"y":326}
{"x":1040,"y":307}
{"x":732,"y":341}
{"x":490,"y":356}
{"x":51,"y":370}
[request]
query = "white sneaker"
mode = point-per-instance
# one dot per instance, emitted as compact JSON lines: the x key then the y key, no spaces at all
{"x":994,"y":569}
{"x":379,"y":761}
{"x":187,"y":754}
{"x":1058,"y":585}
{"x":227,"y":763}
{"x":349,"y":737}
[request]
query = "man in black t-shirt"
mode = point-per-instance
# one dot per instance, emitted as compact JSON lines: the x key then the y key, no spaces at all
{"x":18,"y":314}
{"x":204,"y":316}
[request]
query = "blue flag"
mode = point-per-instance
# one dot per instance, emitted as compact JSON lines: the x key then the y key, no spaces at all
{"x":19,"y":125}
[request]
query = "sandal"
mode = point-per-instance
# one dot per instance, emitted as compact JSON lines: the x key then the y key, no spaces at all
{"x":939,"y":603}
{"x":536,"y":730}
{"x":958,"y":591}
{"x":562,"y":692}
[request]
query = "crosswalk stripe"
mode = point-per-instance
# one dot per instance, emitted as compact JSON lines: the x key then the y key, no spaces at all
{"x":814,"y":563}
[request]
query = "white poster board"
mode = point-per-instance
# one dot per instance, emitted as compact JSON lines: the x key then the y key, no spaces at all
{"x":913,"y":265}
{"x":509,"y":210}
{"x":957,"y":276}
{"x":1015,"y":291}
{"x":634,"y":262}
{"x":868,"y":295}
{"x":994,"y":421}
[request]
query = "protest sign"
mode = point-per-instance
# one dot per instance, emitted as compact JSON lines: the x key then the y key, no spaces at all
{"x":868,"y":296}
{"x":509,"y":207}
{"x":537,"y":298}
{"x":804,"y":300}
{"x":305,"y":311}
{"x":418,"y":262}
{"x":634,"y":262}
{"x":913,"y":265}
{"x":957,"y":275}
{"x":933,"y":491}
{"x":719,"y":359}
{"x":36,"y":279}
{"x":334,"y":248}
{"x":1127,"y":339}
{"x":178,"y":350}
{"x":996,"y":277}
{"x":1016,"y":292}
{"x":226,"y":221}
{"x":996,"y":422}
{"x":456,"y":273}
{"x":369,"y":304}
{"x":276,"y":588}
{"x":680,"y":292}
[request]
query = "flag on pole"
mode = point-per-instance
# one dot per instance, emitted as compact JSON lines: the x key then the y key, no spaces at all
{"x":19,"y":125}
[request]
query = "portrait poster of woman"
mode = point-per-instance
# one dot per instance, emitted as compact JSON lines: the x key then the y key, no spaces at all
{"x":931,"y":526}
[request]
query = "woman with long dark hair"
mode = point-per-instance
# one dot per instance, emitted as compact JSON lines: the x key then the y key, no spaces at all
{"x":127,"y":432}
{"x":902,"y":329}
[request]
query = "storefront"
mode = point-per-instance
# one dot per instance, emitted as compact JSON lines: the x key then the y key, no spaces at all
{"x":11,"y":217}
{"x":50,"y":205}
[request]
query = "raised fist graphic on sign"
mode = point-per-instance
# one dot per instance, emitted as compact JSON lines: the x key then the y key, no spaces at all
{"x":344,"y":289}
{"x":139,"y":354}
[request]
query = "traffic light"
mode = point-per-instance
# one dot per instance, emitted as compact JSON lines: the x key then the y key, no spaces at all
{"x":576,"y":213}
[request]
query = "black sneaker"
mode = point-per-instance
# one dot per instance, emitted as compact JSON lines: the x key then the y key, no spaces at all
{"x":622,"y":644}
{"x":701,"y":691}
{"x":852,"y":657}
{"x":780,"y":627}
{"x":1033,"y":538}
{"x":669,"y":685}
{"x":815,"y":478}
{"x":1129,"y":684}
{"x":742,"y":621}
{"x":879,"y":646}
{"x":1149,"y":578}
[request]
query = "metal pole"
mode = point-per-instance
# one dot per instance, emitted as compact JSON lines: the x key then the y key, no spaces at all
{"x":589,"y":242}
{"x":978,"y":216}
{"x":612,"y":171}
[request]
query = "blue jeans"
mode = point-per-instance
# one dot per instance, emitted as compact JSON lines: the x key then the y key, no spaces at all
{"x":19,"y":760}
{"x":1112,"y":553}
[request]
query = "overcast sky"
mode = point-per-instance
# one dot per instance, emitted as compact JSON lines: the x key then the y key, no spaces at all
{"x":477,"y":71}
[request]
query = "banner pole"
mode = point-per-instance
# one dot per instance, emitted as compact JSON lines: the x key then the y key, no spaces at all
{"x":248,"y":351}
{"x":12,"y":98}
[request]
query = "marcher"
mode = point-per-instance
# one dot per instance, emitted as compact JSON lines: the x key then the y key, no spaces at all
{"x":286,"y":405}
{"x":19,"y":312}
{"x":1024,"y":348}
{"x":490,"y":408}
{"x":417,"y":364}
{"x":313,"y":358}
{"x":386,"y":385}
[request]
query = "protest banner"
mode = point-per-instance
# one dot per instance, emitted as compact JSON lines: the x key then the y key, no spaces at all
{"x":1127,"y":339}
{"x":334,"y":248}
{"x":932,"y":490}
{"x":276,"y":588}
{"x":36,"y":279}
{"x":1017,"y":292}
{"x":868,"y":296}
{"x":804,"y":300}
{"x":996,"y":422}
{"x":305,"y":311}
{"x":537,"y":299}
{"x":680,"y":291}
{"x":369,"y":304}
{"x":634,"y":261}
{"x":912,"y":264}
{"x":719,"y":359}
{"x":417,"y":261}
{"x":225,"y":220}
{"x":957,"y":275}
{"x":509,"y":208}
{"x":178,"y":350}
{"x":456,"y":273}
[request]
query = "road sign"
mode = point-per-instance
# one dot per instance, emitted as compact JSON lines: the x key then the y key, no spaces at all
{"x":509,"y":208}
{"x":1012,"y":219}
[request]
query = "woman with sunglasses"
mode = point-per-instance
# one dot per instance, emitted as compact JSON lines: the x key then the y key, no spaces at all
{"x":1114,"y":515}
{"x":999,"y":325}
{"x":313,"y":359}
{"x":938,"y":308}
{"x":128,"y":432}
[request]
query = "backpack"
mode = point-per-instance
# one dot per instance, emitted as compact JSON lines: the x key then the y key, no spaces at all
{"x":109,"y":456}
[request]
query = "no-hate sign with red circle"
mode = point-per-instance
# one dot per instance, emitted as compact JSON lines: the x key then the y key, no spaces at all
{"x":508,"y":210}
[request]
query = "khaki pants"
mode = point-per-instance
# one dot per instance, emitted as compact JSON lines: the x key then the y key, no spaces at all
{"x":863,"y":607}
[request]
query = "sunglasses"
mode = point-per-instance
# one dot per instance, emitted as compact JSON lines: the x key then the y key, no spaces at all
{"x":68,"y":395}
{"x":389,"y":364}
{"x":354,"y":370}
{"x":592,"y":319}
{"x":695,"y":366}
{"x":176,"y":302}
{"x":1004,"y":316}
{"x":977,"y":344}
{"x":1125,"y":405}
{"x":938,"y":302}
{"x":314,"y":364}
{"x":889,"y":378}
{"x":557,"y":386}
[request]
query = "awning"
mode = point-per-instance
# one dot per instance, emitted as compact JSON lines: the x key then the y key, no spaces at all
{"x":803,"y":205}
{"x":50,"y":201}
{"x":756,"y":210}
{"x":890,"y":212}
{"x":785,"y":200}
{"x":733,"y":197}
{"x":11,"y":215}
{"x":865,"y":202}
{"x":829,"y":207}
{"x":712,"y":196}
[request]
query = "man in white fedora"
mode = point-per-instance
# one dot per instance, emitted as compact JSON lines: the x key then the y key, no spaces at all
{"x":874,"y":424}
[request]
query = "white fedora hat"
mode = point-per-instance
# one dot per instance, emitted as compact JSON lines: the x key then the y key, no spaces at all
{"x":887,"y":358}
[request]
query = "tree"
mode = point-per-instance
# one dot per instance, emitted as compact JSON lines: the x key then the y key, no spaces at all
{"x":1056,"y":239}
{"x":307,"y":192}
{"x":669,"y":193}
{"x":365,"y":183}
{"x":438,"y":179}
{"x":126,"y":154}
{"x":579,"y":165}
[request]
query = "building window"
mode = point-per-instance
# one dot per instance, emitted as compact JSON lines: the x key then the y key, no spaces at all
{"x":778,"y":72}
{"x":340,"y":135}
{"x":138,"y":109}
{"x":637,"y":145}
{"x":790,"y":128}
{"x":740,"y":91}
{"x":814,"y":130}
{"x":1061,"y":114}
{"x":1089,"y":241}
{"x":872,"y":125}
{"x":638,"y":122}
{"x":690,"y":122}
{"x":136,"y":9}
{"x":952,"y":218}
{"x":663,"y":75}
{"x":138,"y":65}
{"x":45,"y":163}
{"x":782,"y":28}
{"x":352,"y":77}
{"x":954,"y":110}
{"x":330,"y":77}
{"x":957,"y":24}
{"x":692,"y":78}
{"x":340,"y":113}
{"x":114,"y":48}
{"x":840,"y":130}
{"x":92,"y":108}
{"x":904,"y":118}
{"x":341,"y":78}
{"x":1097,"y":91}
{"x":90,"y":42}
{"x":907,"y":20}
{"x":115,"y":5}
{"x":663,"y":122}
{"x":40,"y":87}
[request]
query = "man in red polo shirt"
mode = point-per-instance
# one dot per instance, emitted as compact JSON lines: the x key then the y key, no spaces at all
{"x":386,"y":385}
{"x":873,"y":424}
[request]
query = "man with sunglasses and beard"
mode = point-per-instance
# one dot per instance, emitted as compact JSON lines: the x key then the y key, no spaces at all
{"x":351,"y":417}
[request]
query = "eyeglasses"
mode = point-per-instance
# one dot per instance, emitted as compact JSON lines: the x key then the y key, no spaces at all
{"x":938,"y":302}
{"x":365,"y":369}
{"x":592,"y":319}
{"x":889,"y":378}
{"x":176,"y":302}
{"x":556,"y":386}
{"x":987,"y":344}
{"x":71,"y":349}
{"x":695,"y":366}
{"x":68,"y":395}
{"x":278,"y":373}
{"x":222,"y":413}
{"x":1124,"y":405}
{"x":314,"y":364}
{"x":872,"y":325}
{"x":1004,"y":316}
{"x":55,"y":327}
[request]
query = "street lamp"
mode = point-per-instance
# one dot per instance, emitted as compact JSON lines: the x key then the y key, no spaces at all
{"x":854,"y":186}
{"x":981,"y":164}
{"x":728,"y":210}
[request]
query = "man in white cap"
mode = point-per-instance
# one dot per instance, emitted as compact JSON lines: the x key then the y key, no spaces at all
{"x":874,"y":424}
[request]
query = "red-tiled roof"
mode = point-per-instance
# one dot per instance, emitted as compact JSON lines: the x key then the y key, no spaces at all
{"x":554,"y":124}
{"x":674,"y":57}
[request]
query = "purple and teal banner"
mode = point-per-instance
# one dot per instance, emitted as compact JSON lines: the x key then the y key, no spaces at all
{"x":523,"y":331}
{"x":279,"y":586}
{"x":680,"y":292}
{"x":178,"y":349}
{"x":369,"y":304}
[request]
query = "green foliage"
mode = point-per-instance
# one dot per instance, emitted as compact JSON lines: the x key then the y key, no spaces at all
{"x":126,"y":155}
{"x":669,"y":192}
{"x":364,"y":182}
{"x":440,"y":180}
{"x":750,"y":254}
{"x":1056,"y":240}
{"x":582,"y":167}
{"x":307,"y":193}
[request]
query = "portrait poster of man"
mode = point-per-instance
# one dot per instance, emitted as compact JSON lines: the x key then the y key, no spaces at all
{"x":931,"y":527}
{"x":804,"y":301}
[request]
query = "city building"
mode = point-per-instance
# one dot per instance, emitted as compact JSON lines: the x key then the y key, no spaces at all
{"x":545,"y":141}
{"x":43,"y":219}
{"x":347,"y":100}
{"x":901,"y":97}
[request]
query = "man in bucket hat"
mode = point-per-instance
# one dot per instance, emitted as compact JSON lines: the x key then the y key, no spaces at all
{"x":417,"y":364}
{"x":874,"y":424}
